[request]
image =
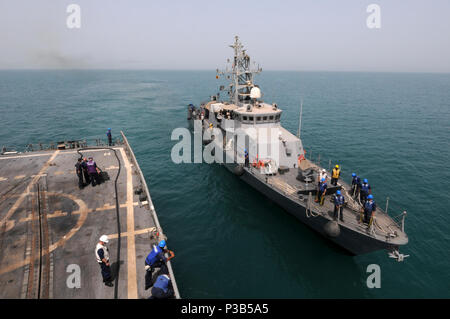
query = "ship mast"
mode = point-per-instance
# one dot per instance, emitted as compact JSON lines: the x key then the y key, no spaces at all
{"x":240,"y":74}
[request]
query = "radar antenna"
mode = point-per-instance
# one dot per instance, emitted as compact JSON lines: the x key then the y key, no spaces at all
{"x":240,"y":74}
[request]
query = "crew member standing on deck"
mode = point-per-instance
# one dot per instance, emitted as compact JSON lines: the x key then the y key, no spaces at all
{"x":356,"y":185}
{"x":108,"y":134}
{"x":335,"y":175}
{"x":93,"y":171}
{"x":321,"y":191}
{"x":85,"y":171}
{"x":79,"y":171}
{"x":365,"y":191}
{"x":323,"y":174}
{"x":102,"y":254}
{"x":369,"y":210}
{"x":156,"y":258}
{"x":339,"y":201}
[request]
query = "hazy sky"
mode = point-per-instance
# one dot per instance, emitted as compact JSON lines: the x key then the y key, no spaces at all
{"x":280,"y":35}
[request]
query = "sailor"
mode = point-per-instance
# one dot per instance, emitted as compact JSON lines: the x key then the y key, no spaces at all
{"x":79,"y":171}
{"x":369,"y":210}
{"x":365,"y":191}
{"x":335,"y":175}
{"x":156,"y":258}
{"x":162,"y":289}
{"x":108,"y":134}
{"x":93,"y":171}
{"x":321,"y":191}
{"x":356,"y":184}
{"x":339,"y":201}
{"x":323,"y":174}
{"x":246,"y":157}
{"x":102,"y":255}
{"x":85,"y":171}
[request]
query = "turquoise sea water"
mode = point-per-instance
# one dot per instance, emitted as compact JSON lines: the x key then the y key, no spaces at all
{"x":229,"y":240}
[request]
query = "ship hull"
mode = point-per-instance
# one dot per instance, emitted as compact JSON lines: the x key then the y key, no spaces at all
{"x":351,"y":241}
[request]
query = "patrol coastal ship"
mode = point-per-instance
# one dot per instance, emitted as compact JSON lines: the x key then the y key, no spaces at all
{"x":282,"y":172}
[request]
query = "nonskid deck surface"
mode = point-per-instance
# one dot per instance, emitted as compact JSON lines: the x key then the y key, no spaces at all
{"x":49,"y":226}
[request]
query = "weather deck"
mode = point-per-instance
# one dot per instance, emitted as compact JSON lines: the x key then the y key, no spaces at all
{"x":290,"y":186}
{"x":50,"y":227}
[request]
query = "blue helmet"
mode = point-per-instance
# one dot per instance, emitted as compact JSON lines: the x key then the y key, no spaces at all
{"x":365,"y":180}
{"x":370,"y":196}
{"x":353,"y":174}
{"x":322,"y":180}
{"x":338,"y":192}
{"x":162,"y":243}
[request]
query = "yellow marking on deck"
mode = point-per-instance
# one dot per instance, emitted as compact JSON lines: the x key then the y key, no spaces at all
{"x":135,"y":233}
{"x":19,"y":177}
{"x":48,"y":154}
{"x":131,"y":245}
{"x":58,"y":173}
{"x":3,"y":179}
{"x":59,"y":213}
{"x":112,"y":167}
{"x":83,"y":211}
{"x":27,"y":190}
{"x":23,"y":156}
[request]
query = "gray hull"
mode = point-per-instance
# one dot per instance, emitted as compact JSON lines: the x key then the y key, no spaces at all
{"x":353,"y":242}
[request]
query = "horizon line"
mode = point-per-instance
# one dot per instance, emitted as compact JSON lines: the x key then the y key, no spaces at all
{"x":213,"y":70}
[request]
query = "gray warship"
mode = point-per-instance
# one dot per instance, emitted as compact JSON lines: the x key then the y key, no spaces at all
{"x":285,"y":175}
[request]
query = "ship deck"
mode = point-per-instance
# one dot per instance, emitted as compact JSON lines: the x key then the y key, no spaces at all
{"x":50,"y":227}
{"x":288,"y":184}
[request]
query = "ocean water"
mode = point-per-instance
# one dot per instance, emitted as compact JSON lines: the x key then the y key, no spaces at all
{"x":229,"y":240}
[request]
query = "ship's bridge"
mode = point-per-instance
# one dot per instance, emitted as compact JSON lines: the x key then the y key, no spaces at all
{"x":258,"y":114}
{"x":250,"y":114}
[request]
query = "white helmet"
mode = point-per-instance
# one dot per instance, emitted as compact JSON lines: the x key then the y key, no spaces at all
{"x":324,"y":170}
{"x":104,"y":239}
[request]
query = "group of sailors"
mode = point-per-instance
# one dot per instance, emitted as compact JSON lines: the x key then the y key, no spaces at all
{"x":88,"y":169}
{"x":196,"y":114}
{"x":160,"y":282}
{"x":361,"y":190}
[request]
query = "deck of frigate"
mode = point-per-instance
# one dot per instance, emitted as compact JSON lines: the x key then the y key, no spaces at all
{"x":49,"y":227}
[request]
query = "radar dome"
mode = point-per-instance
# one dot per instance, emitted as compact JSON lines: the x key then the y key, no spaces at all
{"x":255,"y":93}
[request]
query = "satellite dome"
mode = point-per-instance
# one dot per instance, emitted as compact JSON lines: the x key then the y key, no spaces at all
{"x":255,"y":93}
